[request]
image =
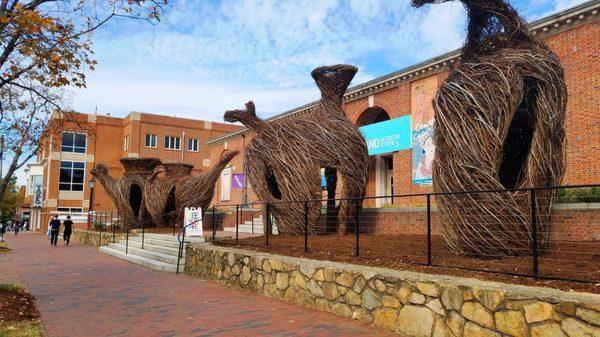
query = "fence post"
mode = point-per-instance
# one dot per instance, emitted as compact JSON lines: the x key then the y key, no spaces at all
{"x":534,"y":243}
{"x":237,"y":224}
{"x":356,"y":227}
{"x":306,"y":226}
{"x":268,"y":226}
{"x":114,"y":227}
{"x":127,"y":241}
{"x":214,"y":225}
{"x":143,"y":233}
{"x":428,"y":229}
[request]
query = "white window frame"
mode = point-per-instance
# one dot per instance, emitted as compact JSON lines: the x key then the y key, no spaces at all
{"x":73,"y":146}
{"x":196,"y":145}
{"x":152,"y":140}
{"x":126,"y":143}
{"x":172,"y":143}
{"x":71,"y":183}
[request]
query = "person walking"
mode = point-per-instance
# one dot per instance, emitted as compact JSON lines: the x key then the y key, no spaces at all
{"x":2,"y":230}
{"x":17,"y":227}
{"x":67,"y":230}
{"x":54,"y":228}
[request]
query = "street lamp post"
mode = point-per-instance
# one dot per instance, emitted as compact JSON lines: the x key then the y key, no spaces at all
{"x":92,"y":184}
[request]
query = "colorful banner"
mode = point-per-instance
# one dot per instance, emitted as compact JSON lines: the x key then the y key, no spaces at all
{"x":388,"y":136}
{"x":422,"y":93}
{"x":238,"y":181}
{"x":193,"y":218}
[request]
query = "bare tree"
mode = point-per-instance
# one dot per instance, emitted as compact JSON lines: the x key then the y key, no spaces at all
{"x":45,"y":46}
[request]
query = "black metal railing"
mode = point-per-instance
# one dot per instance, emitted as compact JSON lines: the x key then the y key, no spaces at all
{"x":567,"y":253}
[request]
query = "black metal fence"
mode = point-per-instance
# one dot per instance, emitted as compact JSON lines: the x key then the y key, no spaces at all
{"x":410,"y":230}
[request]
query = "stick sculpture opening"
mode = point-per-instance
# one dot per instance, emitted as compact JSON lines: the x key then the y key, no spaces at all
{"x":127,"y":192}
{"x":171,"y":188}
{"x":499,"y":124}
{"x":285,"y":156}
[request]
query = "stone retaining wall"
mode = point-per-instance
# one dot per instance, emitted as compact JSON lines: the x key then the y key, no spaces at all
{"x":91,"y":238}
{"x":409,"y":303}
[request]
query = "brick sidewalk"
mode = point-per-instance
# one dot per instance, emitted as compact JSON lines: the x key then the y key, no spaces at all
{"x":81,"y":292}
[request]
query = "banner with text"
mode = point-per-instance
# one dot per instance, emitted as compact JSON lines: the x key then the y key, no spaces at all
{"x":388,"y":136}
{"x":193,"y":218}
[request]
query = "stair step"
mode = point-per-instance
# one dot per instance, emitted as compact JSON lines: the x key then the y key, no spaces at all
{"x":151,"y":247}
{"x":157,"y":256}
{"x":142,"y":261}
{"x":194,"y":239}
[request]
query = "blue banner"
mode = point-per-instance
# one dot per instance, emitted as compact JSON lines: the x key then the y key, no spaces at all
{"x":388,"y":136}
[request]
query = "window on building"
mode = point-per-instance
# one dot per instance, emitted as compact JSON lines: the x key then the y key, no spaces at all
{"x":172,"y":143}
{"x":73,"y":142}
{"x":126,"y":144}
{"x":193,"y":145}
{"x":69,"y":209}
{"x":71,"y":176}
{"x":150,"y":140}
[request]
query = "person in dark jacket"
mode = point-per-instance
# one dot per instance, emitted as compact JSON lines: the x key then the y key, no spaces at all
{"x":54,"y":228}
{"x":17,"y":227}
{"x":68,"y":229}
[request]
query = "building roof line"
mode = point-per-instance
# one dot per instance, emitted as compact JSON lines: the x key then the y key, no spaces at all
{"x":570,"y":17}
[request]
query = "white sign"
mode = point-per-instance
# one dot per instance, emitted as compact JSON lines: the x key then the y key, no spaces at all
{"x":193,"y":221}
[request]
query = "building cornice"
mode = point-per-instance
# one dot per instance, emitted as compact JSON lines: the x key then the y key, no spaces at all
{"x":567,"y":19}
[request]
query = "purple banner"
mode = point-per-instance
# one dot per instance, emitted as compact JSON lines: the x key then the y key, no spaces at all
{"x":238,"y":181}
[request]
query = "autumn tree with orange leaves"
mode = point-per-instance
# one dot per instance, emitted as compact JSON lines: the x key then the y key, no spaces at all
{"x":45,"y":49}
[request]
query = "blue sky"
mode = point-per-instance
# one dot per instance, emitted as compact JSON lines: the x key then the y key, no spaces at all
{"x":210,"y":56}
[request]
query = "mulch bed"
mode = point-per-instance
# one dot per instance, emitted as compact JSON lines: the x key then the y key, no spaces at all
{"x":566,"y":260}
{"x":16,"y":305}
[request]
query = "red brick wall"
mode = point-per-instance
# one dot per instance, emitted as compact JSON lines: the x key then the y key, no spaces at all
{"x":578,"y":50}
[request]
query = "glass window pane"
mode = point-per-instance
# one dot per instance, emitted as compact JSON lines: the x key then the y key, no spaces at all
{"x":66,"y":164}
{"x":78,"y":164}
{"x":177,"y":143}
{"x":78,"y":176}
{"x":66,"y":148}
{"x":64,"y":187}
{"x":68,"y":139}
{"x":77,"y":187}
{"x":65,"y":176}
{"x":80,"y":140}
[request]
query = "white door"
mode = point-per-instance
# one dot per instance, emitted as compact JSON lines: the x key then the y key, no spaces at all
{"x":226,"y":184}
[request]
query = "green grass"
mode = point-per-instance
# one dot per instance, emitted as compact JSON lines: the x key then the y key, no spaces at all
{"x":9,"y":287}
{"x":4,"y":248}
{"x":21,"y":329}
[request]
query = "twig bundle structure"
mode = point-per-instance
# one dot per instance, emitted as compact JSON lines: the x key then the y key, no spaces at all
{"x":499,"y":124}
{"x":127,"y":192}
{"x":285,"y":156}
{"x":171,"y":188}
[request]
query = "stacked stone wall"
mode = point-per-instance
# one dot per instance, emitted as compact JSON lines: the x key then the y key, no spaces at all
{"x":411,"y":304}
{"x":92,"y":238}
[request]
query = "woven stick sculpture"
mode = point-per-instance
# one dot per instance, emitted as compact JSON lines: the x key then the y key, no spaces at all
{"x":127,"y":192}
{"x":171,"y":188}
{"x":499,"y":124}
{"x":284,"y":158}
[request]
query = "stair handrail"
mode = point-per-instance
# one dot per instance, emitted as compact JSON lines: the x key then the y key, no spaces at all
{"x":182,"y":241}
{"x":141,"y":225}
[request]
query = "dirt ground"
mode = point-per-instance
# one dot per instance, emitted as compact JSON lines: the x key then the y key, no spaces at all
{"x":16,"y":305}
{"x":566,"y":260}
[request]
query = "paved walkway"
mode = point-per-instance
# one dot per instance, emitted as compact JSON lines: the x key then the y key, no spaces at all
{"x":81,"y":292}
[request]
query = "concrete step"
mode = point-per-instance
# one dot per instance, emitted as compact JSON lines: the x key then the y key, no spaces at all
{"x":152,"y":247}
{"x":161,"y":257}
{"x":157,"y":242}
{"x":142,"y":261}
{"x":168,"y":237}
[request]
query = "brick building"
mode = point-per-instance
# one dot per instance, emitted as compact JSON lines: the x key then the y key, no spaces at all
{"x":60,"y":177}
{"x":572,"y":34}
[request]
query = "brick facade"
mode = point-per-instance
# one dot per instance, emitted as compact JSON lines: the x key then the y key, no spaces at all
{"x":105,"y":143}
{"x":576,"y":45}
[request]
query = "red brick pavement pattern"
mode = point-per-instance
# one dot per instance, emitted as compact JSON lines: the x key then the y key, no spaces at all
{"x":81,"y":292}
